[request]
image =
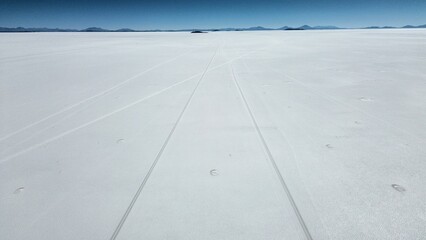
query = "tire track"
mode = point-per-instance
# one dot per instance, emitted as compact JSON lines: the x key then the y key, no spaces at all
{"x":90,"y":122}
{"x":11,"y":156}
{"x":157,"y":158}
{"x":103,"y":93}
{"x":271,"y":159}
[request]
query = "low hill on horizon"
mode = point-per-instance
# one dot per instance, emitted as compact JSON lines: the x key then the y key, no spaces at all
{"x":257,"y":28}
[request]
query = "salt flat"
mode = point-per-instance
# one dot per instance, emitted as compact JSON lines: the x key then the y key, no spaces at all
{"x":224,"y":135}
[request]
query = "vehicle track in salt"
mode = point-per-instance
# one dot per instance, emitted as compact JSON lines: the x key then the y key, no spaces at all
{"x":272,"y":160}
{"x":23,"y":151}
{"x":102,"y":93}
{"x":160,"y":153}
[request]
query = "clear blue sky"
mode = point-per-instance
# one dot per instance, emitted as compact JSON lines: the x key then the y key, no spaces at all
{"x":174,"y":14}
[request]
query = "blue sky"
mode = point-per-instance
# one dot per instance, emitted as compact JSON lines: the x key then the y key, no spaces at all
{"x":171,"y":14}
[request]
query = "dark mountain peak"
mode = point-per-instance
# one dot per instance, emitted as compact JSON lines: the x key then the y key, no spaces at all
{"x":257,"y":28}
{"x":283,"y":28}
{"x":306,"y":27}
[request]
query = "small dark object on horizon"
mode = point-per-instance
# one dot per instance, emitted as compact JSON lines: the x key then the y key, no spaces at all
{"x":292,"y":29}
{"x":196,"y":31}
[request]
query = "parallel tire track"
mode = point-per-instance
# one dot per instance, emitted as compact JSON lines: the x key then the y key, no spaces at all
{"x":102,"y":93}
{"x":157,"y":158}
{"x":271,"y":159}
{"x":16,"y":154}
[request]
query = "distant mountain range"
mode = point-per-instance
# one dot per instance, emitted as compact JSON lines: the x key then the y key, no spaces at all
{"x":258,"y":28}
{"x":387,"y":27}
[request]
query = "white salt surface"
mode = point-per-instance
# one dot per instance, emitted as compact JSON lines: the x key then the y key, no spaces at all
{"x":225,"y":135}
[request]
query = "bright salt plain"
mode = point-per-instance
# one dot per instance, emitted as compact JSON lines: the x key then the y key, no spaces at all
{"x":225,"y":135}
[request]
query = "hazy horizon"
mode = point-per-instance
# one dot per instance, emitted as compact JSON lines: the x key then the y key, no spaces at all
{"x":168,"y":14}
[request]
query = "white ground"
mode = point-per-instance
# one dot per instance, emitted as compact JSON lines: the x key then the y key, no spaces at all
{"x":225,"y":135}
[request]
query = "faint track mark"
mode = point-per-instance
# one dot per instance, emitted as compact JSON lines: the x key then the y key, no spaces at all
{"x":157,"y":158}
{"x":271,"y":159}
{"x":103,"y":93}
{"x":328,"y":96}
{"x":11,"y":156}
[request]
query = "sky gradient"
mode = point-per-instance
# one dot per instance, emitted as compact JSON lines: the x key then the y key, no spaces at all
{"x":169,"y":14}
